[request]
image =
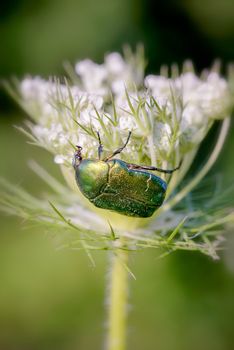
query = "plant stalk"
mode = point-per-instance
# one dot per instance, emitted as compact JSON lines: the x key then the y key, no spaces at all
{"x":117,"y":305}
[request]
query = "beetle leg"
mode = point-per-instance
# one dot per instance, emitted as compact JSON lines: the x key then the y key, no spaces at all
{"x":100,"y":147}
{"x":119,"y":150}
{"x":153,"y":168}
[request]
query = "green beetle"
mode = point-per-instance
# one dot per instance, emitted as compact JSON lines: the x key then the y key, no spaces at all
{"x":119,"y":186}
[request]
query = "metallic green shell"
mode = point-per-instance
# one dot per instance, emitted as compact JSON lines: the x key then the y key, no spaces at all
{"x":92,"y":177}
{"x":112,"y":185}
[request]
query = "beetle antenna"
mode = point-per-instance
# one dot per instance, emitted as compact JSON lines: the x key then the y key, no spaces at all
{"x":100,"y":147}
{"x":119,"y":150}
{"x":78,"y":154}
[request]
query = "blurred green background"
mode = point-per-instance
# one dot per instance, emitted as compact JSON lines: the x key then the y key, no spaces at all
{"x":55,"y":300}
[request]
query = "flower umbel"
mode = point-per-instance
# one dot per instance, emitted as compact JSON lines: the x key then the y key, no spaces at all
{"x":168,"y":116}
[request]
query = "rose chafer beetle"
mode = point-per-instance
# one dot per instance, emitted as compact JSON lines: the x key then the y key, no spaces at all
{"x":128,"y":189}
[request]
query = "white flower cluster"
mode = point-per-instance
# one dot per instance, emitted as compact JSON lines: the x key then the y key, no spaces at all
{"x":198,"y":101}
{"x":168,"y":117}
{"x":113,"y":75}
{"x":51,"y":106}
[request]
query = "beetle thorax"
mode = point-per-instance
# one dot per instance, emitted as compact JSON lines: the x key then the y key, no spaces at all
{"x":91,"y":176}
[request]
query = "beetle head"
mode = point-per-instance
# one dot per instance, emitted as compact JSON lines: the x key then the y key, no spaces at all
{"x":77,"y":157}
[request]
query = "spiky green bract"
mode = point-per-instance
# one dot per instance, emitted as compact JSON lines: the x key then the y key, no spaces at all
{"x":71,"y":225}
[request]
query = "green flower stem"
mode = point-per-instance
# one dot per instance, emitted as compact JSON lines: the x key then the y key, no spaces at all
{"x":117,"y":305}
